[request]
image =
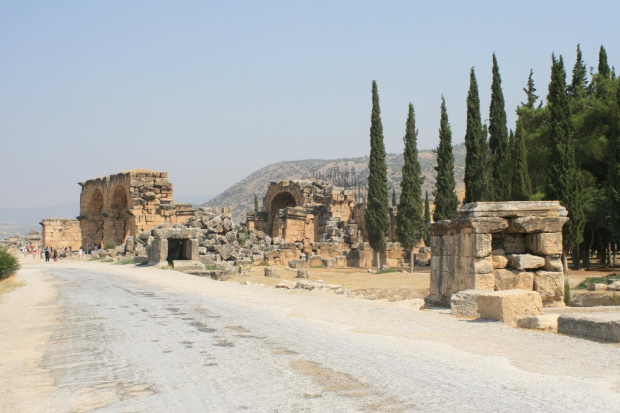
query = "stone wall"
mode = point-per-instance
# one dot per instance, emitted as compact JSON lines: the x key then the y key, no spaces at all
{"x":61,"y":233}
{"x":118,"y":206}
{"x":499,"y":246}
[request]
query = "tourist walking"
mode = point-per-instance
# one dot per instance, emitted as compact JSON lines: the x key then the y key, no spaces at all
{"x":81,"y":252}
{"x":55,"y":255}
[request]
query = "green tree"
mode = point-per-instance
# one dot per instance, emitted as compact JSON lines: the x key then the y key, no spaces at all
{"x":255,"y":204}
{"x":498,"y":138}
{"x":394,"y":197}
{"x":446,"y":201}
{"x":410,"y":218}
{"x":565,"y":180}
{"x":603,"y":66}
{"x":376,"y":216}
{"x":530,"y":92}
{"x":613,"y":182}
{"x":579,"y":83}
{"x":427,"y":221}
{"x":521,"y":188}
{"x":476,"y":160}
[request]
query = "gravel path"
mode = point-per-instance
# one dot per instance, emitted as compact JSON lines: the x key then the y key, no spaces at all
{"x":86,"y":336}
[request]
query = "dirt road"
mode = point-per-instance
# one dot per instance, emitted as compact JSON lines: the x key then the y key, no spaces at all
{"x":87,"y":336}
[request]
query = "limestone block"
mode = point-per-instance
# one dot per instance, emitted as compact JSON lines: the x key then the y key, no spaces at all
{"x":509,"y":306}
{"x":297,"y":263}
{"x":483,"y":245}
{"x":341,"y":261}
{"x":193,"y":252}
{"x":160,"y":249}
{"x":514,"y":244}
{"x":532,"y":224}
{"x":550,"y":286}
{"x":483,"y":265}
{"x":484,"y":282}
{"x":188,"y":265}
{"x":465,"y":303}
{"x":488,"y":225}
{"x":614,"y":286}
{"x":315,"y":261}
{"x":547,"y":322}
{"x":545,"y":243}
{"x":286,"y":284}
{"x":512,"y":279}
{"x":599,"y":326}
{"x":271,"y":272}
{"x":553,"y":264}
{"x":302,"y":274}
{"x":526,"y":261}
{"x":499,"y":261}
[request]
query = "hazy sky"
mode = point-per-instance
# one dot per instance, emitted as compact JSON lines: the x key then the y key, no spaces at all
{"x":212,"y":90}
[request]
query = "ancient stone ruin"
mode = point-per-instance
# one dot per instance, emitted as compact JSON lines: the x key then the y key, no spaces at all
{"x":61,"y":233}
{"x":499,"y":246}
{"x":118,"y":206}
{"x":315,"y":223}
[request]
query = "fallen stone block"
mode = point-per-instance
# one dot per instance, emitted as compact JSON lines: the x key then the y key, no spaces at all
{"x":598,"y":326}
{"x":550,"y":286}
{"x":271,"y":272}
{"x":547,"y":322}
{"x":509,"y":306}
{"x":286,"y":284}
{"x":187,"y":265}
{"x":465,"y":303}
{"x":297,"y":263}
{"x":512,"y":279}
{"x":302,"y":274}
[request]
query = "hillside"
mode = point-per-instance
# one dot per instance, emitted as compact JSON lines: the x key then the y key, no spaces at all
{"x":241,"y":195}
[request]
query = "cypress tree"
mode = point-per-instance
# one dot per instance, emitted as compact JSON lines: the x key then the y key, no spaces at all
{"x":565,"y":181}
{"x":393,"y":197}
{"x":603,"y":66}
{"x":446,"y":201}
{"x":255,"y":204}
{"x":475,"y":159}
{"x":376,"y":216}
{"x":579,"y":82}
{"x":486,"y":167}
{"x":498,"y":137}
{"x":427,"y":221}
{"x":410,"y":218}
{"x":521,"y":187}
{"x":529,"y":91}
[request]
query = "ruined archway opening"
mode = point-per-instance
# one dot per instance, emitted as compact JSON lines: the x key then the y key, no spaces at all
{"x":280,"y":201}
{"x":95,"y":223}
{"x":178,"y":249}
{"x":117,"y":216}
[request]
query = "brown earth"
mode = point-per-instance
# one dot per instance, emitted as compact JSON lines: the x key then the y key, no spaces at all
{"x":393,"y":286}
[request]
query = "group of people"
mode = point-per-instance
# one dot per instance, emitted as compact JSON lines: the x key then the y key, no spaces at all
{"x":51,"y":253}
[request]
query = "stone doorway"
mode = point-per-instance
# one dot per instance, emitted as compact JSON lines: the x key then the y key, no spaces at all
{"x":178,"y":249}
{"x":280,"y":201}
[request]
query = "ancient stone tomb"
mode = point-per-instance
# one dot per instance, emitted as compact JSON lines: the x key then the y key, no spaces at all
{"x":499,"y":246}
{"x":61,"y":233}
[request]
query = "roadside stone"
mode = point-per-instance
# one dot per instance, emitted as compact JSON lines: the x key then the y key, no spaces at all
{"x":465,"y":303}
{"x":286,"y":284}
{"x":598,"y":326}
{"x":546,"y":322}
{"x":509,"y":306}
{"x":297,"y":263}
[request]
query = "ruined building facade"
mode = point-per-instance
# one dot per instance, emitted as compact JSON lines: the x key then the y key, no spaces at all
{"x":117,"y":206}
{"x":308,"y":211}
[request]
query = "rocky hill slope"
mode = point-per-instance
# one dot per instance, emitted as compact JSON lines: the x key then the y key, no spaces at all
{"x":240,"y":196}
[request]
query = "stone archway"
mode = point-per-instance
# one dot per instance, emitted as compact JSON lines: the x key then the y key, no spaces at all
{"x":117,"y":216}
{"x":280,"y":201}
{"x":96,"y":219}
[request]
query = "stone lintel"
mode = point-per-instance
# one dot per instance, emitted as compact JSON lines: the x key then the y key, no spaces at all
{"x":513,"y":209}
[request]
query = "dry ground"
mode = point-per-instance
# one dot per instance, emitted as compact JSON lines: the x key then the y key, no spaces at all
{"x":393,"y":286}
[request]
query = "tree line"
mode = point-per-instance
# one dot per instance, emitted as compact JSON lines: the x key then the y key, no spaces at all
{"x":564,"y":148}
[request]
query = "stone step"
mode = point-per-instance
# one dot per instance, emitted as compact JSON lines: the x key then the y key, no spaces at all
{"x":597,"y":326}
